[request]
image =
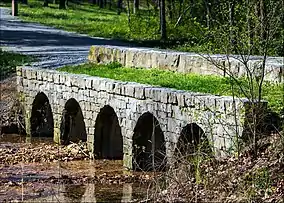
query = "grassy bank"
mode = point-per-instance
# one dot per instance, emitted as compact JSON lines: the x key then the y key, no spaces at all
{"x":192,"y":82}
{"x":86,"y":18}
{"x":9,"y":61}
{"x":82,"y":18}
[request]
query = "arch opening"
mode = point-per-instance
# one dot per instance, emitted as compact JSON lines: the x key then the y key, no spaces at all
{"x":72,"y":128}
{"x":42,"y":123}
{"x":108,"y":142}
{"x":191,"y":141}
{"x":149,"y":150}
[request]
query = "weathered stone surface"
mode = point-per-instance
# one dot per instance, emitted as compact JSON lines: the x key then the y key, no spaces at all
{"x":186,"y":62}
{"x":173,"y":109}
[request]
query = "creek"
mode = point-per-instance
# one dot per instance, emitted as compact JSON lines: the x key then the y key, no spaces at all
{"x":56,"y":180}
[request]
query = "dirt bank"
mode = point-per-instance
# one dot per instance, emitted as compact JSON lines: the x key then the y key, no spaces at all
{"x":10,"y":112}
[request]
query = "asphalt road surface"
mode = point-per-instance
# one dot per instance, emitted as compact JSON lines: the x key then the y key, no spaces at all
{"x":53,"y":47}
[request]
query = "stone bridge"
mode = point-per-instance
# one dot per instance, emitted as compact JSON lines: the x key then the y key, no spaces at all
{"x":141,"y":124}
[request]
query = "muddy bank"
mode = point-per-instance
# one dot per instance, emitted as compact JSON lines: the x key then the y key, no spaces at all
{"x":11,"y":120}
{"x":40,"y":150}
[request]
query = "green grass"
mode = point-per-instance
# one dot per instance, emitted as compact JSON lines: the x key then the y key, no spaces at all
{"x":9,"y":61}
{"x":197,"y":83}
{"x":85,"y":18}
{"x":89,"y":19}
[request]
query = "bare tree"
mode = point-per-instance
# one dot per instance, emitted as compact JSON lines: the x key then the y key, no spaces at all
{"x":253,"y":34}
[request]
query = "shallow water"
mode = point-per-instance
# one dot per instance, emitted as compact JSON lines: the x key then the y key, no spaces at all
{"x":95,"y":193}
{"x":33,"y":182}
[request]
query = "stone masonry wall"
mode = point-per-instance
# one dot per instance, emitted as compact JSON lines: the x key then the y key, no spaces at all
{"x":174,"y":109}
{"x":185,"y":62}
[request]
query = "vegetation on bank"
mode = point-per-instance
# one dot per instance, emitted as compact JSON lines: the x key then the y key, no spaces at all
{"x":223,"y":27}
{"x":9,"y":61}
{"x":230,"y":179}
{"x":273,"y":93}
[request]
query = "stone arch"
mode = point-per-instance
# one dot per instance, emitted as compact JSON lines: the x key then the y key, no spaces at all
{"x":108,"y":142}
{"x":41,"y":120}
{"x":192,"y":139}
{"x":72,"y":127}
{"x":149,"y":148}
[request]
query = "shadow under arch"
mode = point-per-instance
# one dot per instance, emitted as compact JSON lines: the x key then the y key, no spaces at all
{"x":191,"y":141}
{"x":108,"y":142}
{"x":149,"y":150}
{"x":72,"y":127}
{"x":42,"y":124}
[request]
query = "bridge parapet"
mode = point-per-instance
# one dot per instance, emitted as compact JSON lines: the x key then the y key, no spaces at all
{"x":221,"y":118}
{"x":187,"y":62}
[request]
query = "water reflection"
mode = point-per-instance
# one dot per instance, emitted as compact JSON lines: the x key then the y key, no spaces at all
{"x":95,"y":193}
{"x":37,"y":189}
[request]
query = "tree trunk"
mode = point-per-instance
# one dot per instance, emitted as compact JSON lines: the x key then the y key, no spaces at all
{"x":101,"y":3}
{"x":62,"y":4}
{"x":163,"y":20}
{"x":256,"y":24}
{"x":136,"y":6}
{"x":14,"y":7}
{"x":207,"y":13}
{"x":119,"y":7}
{"x":191,"y":8}
{"x":110,"y":4}
{"x":170,"y":9}
{"x":45,"y":4}
{"x":262,"y":13}
{"x":231,"y":22}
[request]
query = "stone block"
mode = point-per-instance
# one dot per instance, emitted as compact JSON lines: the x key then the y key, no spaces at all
{"x":28,"y":74}
{"x":50,"y":76}
{"x":68,"y":80}
{"x":129,"y":90}
{"x":156,"y":94}
{"x":117,"y":88}
{"x":172,"y":97}
{"x":172,"y":125}
{"x":56,"y":79}
{"x":75,"y":89}
{"x":139,"y":92}
{"x":88,"y":83}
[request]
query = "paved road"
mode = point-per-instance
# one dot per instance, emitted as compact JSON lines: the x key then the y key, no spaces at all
{"x":53,"y":47}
